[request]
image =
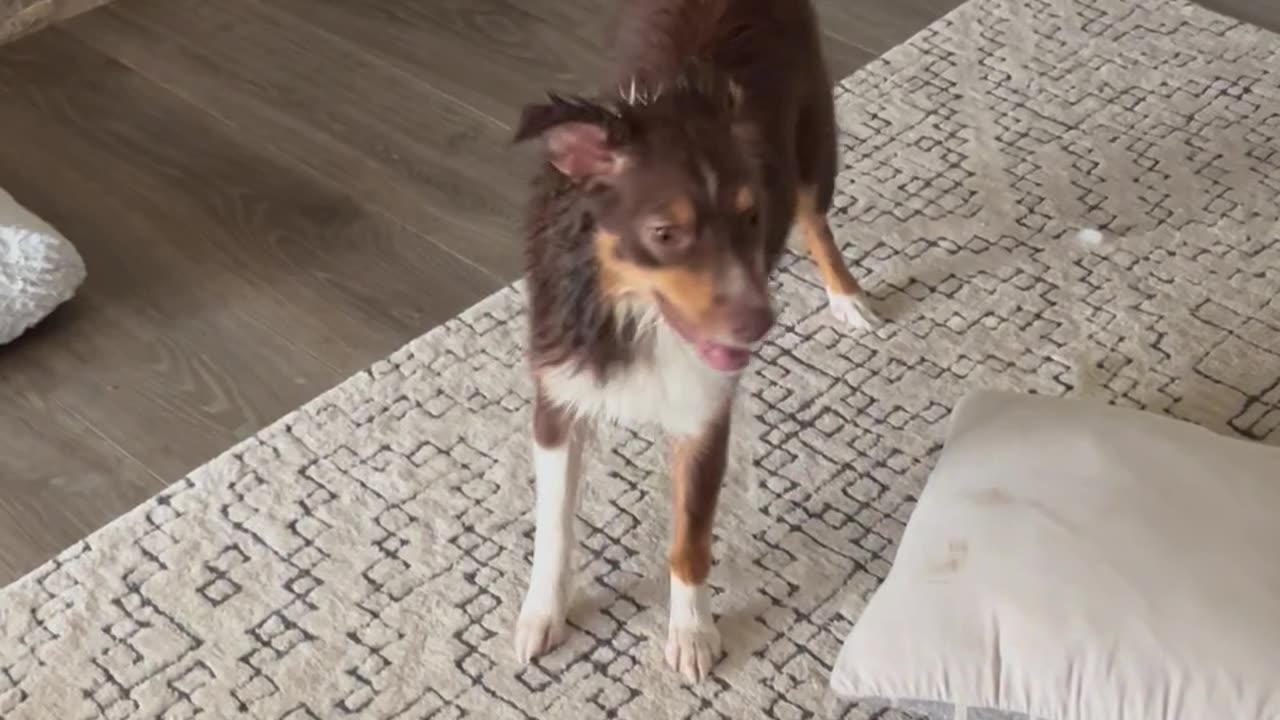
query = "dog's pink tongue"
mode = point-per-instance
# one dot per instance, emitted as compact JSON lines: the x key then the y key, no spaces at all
{"x":723,"y":358}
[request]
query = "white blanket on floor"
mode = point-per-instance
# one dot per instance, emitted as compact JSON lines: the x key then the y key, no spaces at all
{"x":39,"y":269}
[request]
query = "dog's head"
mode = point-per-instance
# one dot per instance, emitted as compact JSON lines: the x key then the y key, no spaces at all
{"x":675,"y":187}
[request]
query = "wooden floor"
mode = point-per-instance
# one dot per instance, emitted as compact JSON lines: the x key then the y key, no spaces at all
{"x":270,"y":195}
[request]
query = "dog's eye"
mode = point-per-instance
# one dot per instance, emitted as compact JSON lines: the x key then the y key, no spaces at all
{"x":664,"y":235}
{"x":666,"y":241}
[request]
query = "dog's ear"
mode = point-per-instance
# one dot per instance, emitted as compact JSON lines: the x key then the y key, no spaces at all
{"x":583,"y":139}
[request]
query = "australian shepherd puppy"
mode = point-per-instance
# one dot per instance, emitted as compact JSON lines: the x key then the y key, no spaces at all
{"x":652,"y":231}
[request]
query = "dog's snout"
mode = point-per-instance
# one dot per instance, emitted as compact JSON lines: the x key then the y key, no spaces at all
{"x":748,"y":322}
{"x":743,"y":304}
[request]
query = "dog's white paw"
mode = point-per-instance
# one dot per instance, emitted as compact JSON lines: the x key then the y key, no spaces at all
{"x":540,"y":628}
{"x":692,"y":650}
{"x":854,"y":310}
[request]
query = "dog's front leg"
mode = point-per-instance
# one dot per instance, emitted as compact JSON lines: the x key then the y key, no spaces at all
{"x":698,"y":465}
{"x":557,"y":468}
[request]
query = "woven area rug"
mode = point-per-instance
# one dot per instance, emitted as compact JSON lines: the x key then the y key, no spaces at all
{"x":365,"y":556}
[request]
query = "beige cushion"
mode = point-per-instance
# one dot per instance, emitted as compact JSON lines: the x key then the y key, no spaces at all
{"x":1074,"y":561}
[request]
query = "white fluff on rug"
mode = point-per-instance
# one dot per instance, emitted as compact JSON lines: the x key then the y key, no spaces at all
{"x":39,"y":269}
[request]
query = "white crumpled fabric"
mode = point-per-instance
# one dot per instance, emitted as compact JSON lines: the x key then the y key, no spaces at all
{"x":39,"y":269}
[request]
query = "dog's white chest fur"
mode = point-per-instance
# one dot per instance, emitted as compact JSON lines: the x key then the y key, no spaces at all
{"x":666,"y":384}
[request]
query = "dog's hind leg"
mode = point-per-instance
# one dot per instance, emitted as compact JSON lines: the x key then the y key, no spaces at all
{"x":557,"y":466}
{"x":847,"y":299}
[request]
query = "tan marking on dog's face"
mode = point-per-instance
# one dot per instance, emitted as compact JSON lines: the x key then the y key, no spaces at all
{"x":681,"y":212}
{"x":613,"y":275}
{"x":744,"y":199}
{"x":689,"y":289}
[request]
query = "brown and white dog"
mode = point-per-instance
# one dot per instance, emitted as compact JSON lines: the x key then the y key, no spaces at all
{"x":652,"y":232}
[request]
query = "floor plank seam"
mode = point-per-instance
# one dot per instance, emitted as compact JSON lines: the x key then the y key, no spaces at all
{"x":280,"y":155}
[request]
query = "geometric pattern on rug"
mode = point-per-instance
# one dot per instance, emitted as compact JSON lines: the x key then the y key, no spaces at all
{"x":365,"y":556}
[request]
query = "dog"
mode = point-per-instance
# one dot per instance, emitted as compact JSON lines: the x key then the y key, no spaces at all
{"x":652,"y":230}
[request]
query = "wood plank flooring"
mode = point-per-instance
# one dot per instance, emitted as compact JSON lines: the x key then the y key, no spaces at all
{"x":270,"y":195}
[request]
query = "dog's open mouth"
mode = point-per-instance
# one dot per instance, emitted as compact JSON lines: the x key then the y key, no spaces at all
{"x":723,"y":357}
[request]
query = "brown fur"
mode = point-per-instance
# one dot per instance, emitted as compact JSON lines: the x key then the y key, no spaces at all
{"x":698,"y":465}
{"x":822,"y":245}
{"x":688,"y":286}
{"x":735,"y":84}
{"x":551,"y":423}
{"x":679,"y":188}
